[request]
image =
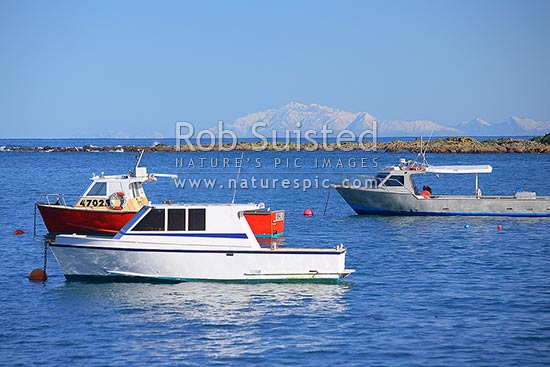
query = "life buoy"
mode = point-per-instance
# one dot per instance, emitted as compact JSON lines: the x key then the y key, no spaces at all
{"x":117,"y":201}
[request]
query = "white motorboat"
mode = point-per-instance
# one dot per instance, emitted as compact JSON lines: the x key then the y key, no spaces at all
{"x":184,"y":242}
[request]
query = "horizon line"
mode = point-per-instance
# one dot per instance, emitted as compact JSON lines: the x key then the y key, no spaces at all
{"x":248,"y":137}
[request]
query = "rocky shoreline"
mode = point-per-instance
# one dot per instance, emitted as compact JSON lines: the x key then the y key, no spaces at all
{"x":540,"y":144}
{"x":471,"y":145}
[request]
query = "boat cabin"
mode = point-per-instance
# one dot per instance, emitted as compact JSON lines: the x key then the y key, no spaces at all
{"x":118,"y":192}
{"x":398,"y":179}
{"x":193,"y":224}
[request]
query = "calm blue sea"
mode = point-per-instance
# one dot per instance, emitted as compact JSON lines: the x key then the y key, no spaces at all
{"x":427,"y":291}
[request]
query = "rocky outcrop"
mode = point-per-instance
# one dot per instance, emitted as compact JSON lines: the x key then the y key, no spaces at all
{"x":542,"y":139}
{"x":462,"y":144}
{"x":470,"y":145}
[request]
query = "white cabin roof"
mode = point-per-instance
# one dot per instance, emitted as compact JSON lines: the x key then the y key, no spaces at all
{"x":238,"y":206}
{"x":460,"y":169}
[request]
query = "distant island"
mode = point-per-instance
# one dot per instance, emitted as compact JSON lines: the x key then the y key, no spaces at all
{"x":539,"y":144}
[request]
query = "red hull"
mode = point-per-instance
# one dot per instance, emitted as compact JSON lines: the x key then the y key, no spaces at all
{"x":66,"y":219}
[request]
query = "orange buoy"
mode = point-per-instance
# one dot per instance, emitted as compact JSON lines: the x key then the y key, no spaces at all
{"x":38,"y":275}
{"x":499,"y":227}
{"x":308,"y":212}
{"x":17,"y":232}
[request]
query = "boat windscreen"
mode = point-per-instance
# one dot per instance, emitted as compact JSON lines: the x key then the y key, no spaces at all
{"x":396,"y":180}
{"x":134,"y":219}
{"x":380,"y":177}
{"x":98,"y":189}
{"x":152,"y":221}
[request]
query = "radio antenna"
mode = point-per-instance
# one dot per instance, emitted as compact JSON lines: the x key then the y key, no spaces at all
{"x":426,"y":148}
{"x":138,"y":160}
{"x":238,"y":174}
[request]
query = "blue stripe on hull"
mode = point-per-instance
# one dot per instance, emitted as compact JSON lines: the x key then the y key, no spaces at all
{"x":167,"y":234}
{"x":366,"y":210}
{"x":243,"y":252}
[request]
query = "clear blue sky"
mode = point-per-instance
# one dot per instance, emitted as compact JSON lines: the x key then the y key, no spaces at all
{"x":100,"y":68}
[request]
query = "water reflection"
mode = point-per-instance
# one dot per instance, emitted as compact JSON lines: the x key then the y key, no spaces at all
{"x":225,"y":319}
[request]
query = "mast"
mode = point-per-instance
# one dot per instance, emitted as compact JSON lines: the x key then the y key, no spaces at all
{"x":138,"y":160}
{"x":238,"y":174}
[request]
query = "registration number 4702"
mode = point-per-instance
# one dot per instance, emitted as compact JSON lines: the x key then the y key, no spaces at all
{"x":93,"y":202}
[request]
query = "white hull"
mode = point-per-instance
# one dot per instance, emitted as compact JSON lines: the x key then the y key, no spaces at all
{"x":81,"y":256}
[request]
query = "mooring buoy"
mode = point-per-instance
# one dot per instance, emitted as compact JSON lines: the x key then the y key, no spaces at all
{"x":38,"y":275}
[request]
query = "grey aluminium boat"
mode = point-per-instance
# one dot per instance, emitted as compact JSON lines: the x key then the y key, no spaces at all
{"x":393,"y":192}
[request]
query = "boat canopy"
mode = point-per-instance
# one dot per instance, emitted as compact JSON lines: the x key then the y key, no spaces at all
{"x":460,"y":169}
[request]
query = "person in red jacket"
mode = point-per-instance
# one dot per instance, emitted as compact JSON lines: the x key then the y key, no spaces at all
{"x":426,"y":192}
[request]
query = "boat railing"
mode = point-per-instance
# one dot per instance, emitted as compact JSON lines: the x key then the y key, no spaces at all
{"x":57,"y":199}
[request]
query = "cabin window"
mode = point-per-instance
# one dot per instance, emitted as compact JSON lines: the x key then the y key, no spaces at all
{"x":380,"y":177}
{"x":413,"y":185}
{"x":395,"y":181}
{"x":153,"y":221}
{"x":99,"y":189}
{"x":197,"y":220}
{"x":176,"y":219}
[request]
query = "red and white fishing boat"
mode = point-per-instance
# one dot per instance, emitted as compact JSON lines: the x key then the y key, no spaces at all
{"x":109,"y":202}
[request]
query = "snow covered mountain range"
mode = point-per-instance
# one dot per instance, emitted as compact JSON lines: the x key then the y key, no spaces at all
{"x":295,"y":116}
